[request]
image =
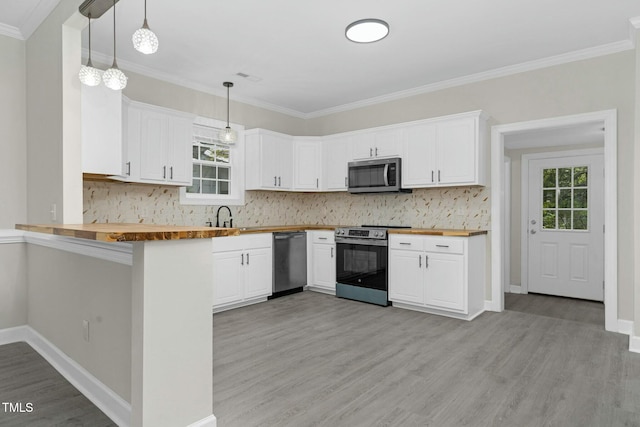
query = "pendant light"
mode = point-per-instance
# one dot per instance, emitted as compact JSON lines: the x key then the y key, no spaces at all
{"x":113,"y":78}
{"x":228,"y":135}
{"x":89,"y":75}
{"x":144,"y":40}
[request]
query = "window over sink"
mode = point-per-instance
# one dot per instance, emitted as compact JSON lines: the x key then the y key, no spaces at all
{"x":218,"y":168}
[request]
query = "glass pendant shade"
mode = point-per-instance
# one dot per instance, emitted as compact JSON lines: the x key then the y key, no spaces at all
{"x":228,"y":135}
{"x":114,"y":79}
{"x":145,"y":40}
{"x":89,"y":75}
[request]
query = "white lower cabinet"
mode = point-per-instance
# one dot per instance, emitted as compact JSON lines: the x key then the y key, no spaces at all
{"x":436,"y":274}
{"x":321,"y":265}
{"x":242,"y":270}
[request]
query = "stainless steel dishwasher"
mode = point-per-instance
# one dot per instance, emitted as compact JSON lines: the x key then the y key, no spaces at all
{"x":289,"y":262}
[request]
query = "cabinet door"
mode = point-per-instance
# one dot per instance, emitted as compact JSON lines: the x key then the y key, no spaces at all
{"x":227,"y":277}
{"x":285,"y":164}
{"x":362,"y":145}
{"x":153,"y":138}
{"x":336,"y":157}
{"x":444,"y":279}
{"x":386,"y":143}
{"x":275,"y":150}
{"x":324,"y":266}
{"x":179,"y":156}
{"x":419,"y":159}
{"x":101,"y":116}
{"x":306,"y":164}
{"x":406,"y":279}
{"x":457,"y":151}
{"x":258,"y":273}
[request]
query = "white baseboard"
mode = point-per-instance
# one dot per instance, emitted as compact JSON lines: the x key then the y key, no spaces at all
{"x":491,"y":306}
{"x":515,"y":289}
{"x":634,"y":344}
{"x":210,"y":421}
{"x":625,"y":327}
{"x":93,"y":389}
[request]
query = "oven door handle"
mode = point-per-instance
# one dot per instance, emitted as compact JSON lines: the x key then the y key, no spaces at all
{"x":361,"y":242}
{"x":386,"y":175}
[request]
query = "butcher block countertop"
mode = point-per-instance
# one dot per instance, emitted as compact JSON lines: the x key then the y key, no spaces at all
{"x":436,"y":232}
{"x":284,"y":228}
{"x":114,"y":232}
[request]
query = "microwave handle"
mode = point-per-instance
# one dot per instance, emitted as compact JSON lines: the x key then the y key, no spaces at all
{"x":386,"y":175}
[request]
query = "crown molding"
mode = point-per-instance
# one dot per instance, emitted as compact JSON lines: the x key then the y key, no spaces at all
{"x":9,"y":31}
{"x":577,"y":55}
{"x":635,"y":22}
{"x":565,"y":58}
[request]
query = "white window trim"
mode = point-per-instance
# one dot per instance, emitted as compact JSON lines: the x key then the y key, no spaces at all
{"x":236,"y":189}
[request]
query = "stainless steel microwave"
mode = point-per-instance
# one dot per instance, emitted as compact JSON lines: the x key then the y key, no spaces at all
{"x":375,"y":176}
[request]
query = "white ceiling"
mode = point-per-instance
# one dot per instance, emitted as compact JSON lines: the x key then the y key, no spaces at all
{"x":305,"y":65}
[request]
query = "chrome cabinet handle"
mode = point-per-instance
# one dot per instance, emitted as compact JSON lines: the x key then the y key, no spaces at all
{"x":247,"y":258}
{"x":322,"y":238}
{"x":376,"y":151}
{"x":275,"y":181}
{"x":405,"y":243}
{"x":317,"y":182}
{"x":331,"y":252}
{"x":164,"y":172}
{"x":420,"y":261}
{"x":432,"y":176}
{"x":438,"y":175}
{"x":242,"y":259}
{"x":442,"y":246}
{"x":426,"y":261}
{"x":279,"y":181}
{"x":128,"y":168}
{"x":345,"y":182}
{"x":171,"y":172}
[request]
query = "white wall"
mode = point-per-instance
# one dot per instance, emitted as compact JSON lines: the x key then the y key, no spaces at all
{"x":13,"y":180}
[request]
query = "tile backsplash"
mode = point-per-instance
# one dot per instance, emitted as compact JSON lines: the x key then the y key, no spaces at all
{"x":459,"y":207}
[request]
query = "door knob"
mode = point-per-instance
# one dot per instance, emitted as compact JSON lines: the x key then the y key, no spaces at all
{"x":533,"y":231}
{"x":533,"y":221}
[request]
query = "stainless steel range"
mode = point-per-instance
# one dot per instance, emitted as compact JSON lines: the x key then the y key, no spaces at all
{"x":361,"y":263}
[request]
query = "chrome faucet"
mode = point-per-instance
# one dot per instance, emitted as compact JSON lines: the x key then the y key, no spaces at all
{"x":218,"y":217}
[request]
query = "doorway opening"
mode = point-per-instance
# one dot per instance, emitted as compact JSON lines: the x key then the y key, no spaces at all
{"x":585,"y":131}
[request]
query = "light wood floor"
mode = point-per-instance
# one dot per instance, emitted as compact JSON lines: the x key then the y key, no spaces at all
{"x":314,"y":360}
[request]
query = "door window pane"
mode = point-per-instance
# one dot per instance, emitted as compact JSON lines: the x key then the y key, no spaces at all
{"x":565,"y":195}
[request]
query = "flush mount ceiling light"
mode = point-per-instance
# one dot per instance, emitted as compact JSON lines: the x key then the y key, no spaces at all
{"x":113,"y":78}
{"x":367,"y":30}
{"x":228,"y":135}
{"x":89,"y":75}
{"x":145,"y":40}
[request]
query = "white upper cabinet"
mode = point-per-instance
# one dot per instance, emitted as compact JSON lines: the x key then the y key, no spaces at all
{"x":307,"y":163}
{"x":372,"y":144}
{"x":336,"y":154}
{"x":447,"y":151}
{"x":101,"y":114}
{"x":269,"y":160}
{"x":157,"y":145}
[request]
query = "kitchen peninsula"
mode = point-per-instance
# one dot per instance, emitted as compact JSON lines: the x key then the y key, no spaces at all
{"x":171,"y":328}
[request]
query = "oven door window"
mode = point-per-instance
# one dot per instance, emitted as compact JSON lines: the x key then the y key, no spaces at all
{"x":362,"y":265}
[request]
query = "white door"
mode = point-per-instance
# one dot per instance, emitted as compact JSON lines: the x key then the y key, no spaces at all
{"x":324,"y":266}
{"x":406,"y":276}
{"x":227,"y":277}
{"x":566,"y":226}
{"x":444,"y":278}
{"x":257,"y":275}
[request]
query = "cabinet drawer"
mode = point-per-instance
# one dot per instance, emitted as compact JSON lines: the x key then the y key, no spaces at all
{"x":413,"y":243}
{"x":327,"y":237}
{"x":241,"y":243}
{"x":444,"y":245}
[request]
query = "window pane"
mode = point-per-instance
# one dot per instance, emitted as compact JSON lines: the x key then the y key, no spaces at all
{"x":195,"y":187}
{"x":224,"y":187}
{"x":206,"y":153}
{"x":580,"y":198}
{"x":549,"y":178}
{"x":564,"y":177}
{"x":195,"y":152}
{"x":564,"y":198}
{"x":549,"y":199}
{"x":580,"y":176}
{"x":208,"y":171}
{"x":222,"y":154}
{"x":223,"y":173}
{"x":549,"y":219}
{"x":208,"y":187}
{"x":580,"y":220}
{"x":564,"y":220}
{"x":196,"y":171}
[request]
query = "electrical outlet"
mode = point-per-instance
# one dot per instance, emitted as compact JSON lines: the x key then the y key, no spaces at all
{"x":53,"y":212}
{"x":85,"y":330}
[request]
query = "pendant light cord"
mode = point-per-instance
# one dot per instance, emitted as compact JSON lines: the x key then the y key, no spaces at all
{"x":227,"y":105}
{"x":115,"y":65}
{"x":89,"y":61}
